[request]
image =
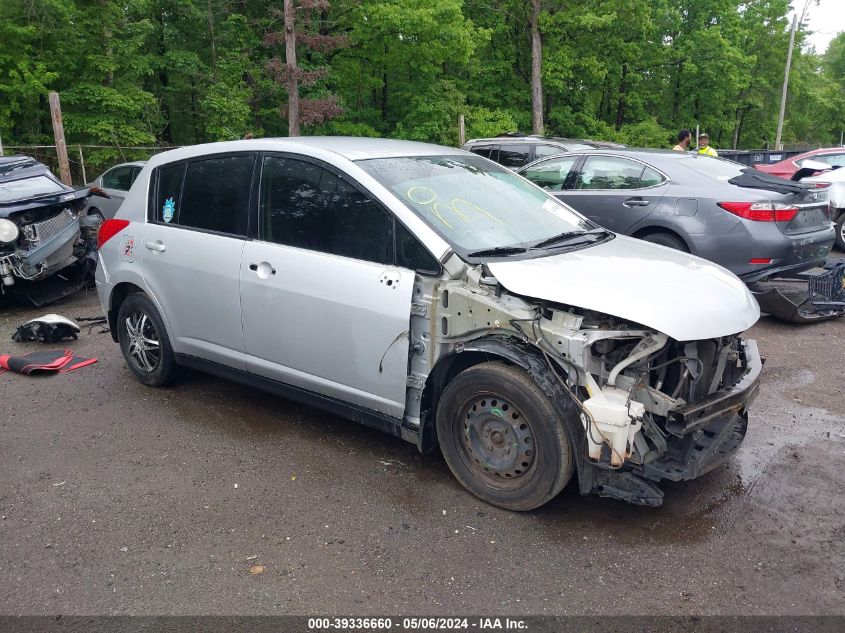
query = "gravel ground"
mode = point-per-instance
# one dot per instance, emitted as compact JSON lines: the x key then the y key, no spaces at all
{"x":213,"y":498}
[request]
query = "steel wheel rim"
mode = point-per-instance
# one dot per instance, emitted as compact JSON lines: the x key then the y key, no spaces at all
{"x":496,"y":441}
{"x":144,"y":347}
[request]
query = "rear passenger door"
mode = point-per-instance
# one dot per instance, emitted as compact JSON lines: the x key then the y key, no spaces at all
{"x":615,"y":192}
{"x":324,"y":306}
{"x":191,"y":254}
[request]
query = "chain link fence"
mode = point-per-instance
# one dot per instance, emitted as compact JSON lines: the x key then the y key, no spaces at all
{"x":86,"y":161}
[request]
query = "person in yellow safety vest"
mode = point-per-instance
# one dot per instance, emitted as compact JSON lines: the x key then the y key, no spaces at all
{"x":704,"y":145}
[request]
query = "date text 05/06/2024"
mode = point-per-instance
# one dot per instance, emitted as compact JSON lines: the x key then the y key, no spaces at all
{"x":415,"y":624}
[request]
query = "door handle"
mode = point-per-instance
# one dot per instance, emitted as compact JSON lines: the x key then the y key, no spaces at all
{"x":635,"y":202}
{"x":156,"y":246}
{"x":263,"y":269}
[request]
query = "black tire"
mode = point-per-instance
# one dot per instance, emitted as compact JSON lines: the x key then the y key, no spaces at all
{"x":502,"y":438}
{"x":666,"y":239}
{"x":840,"y":231}
{"x":153,"y":365}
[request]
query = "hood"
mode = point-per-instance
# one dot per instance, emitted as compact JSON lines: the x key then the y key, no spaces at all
{"x":25,"y":204}
{"x":678,"y":294}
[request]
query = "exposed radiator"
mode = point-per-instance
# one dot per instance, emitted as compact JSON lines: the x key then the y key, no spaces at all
{"x":38,"y":232}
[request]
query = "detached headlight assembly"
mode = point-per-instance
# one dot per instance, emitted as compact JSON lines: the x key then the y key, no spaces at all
{"x":8,"y":231}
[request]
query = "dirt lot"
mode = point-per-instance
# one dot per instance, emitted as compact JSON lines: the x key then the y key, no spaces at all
{"x":120,"y":499}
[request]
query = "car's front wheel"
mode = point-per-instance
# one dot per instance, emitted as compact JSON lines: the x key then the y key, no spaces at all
{"x":666,"y":239}
{"x":502,"y":438}
{"x":144,"y":341}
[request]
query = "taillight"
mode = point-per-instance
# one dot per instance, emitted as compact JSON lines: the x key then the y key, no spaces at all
{"x":821,"y":185}
{"x":109,"y":229}
{"x":761,"y":211}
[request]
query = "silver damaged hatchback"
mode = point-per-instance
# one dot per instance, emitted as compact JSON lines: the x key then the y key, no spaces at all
{"x":440,"y":297}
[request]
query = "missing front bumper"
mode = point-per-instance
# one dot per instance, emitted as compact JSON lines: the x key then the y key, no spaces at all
{"x":702,"y":437}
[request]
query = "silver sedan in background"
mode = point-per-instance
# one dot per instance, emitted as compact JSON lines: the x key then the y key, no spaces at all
{"x":758,"y":229}
{"x":116,"y":182}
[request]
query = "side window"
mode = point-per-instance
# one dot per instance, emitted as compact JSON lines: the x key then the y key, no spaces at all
{"x":513,"y":155}
{"x":304,"y":205}
{"x":551,"y":174}
{"x":215,"y":196}
{"x":135,"y":172}
{"x":650,"y":178}
{"x":481,"y":150}
{"x":168,"y":193}
{"x":837,"y":160}
{"x":609,"y":172}
{"x":119,"y":178}
{"x":541,"y":151}
{"x":411,"y":254}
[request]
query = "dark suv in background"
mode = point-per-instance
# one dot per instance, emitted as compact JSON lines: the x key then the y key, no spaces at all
{"x":515,"y":150}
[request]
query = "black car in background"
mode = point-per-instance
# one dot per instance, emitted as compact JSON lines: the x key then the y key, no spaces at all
{"x":514,"y":150}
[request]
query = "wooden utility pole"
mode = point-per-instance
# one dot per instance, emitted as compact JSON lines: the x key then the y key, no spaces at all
{"x":59,"y":135}
{"x":536,"y":67}
{"x":786,"y":81}
{"x":462,"y":130}
{"x":292,"y":77}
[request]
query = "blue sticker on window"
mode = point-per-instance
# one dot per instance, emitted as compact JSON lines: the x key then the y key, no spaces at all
{"x":168,"y":210}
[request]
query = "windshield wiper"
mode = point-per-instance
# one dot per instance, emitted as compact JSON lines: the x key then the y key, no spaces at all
{"x":498,"y":251}
{"x":569,"y":236}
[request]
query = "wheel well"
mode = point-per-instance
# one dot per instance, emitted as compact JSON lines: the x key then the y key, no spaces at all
{"x":641,"y":233}
{"x":118,"y":296}
{"x":442,"y":375}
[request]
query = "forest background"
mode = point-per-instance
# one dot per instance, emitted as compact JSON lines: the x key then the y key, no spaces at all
{"x":177,"y":72}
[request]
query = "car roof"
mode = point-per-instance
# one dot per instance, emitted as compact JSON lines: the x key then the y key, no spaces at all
{"x":349,"y":147}
{"x":531,"y":138}
{"x":641,"y":153}
{"x":139,"y":163}
{"x":816,"y":152}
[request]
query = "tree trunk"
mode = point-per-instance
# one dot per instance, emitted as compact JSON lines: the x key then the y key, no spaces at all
{"x":536,"y":65}
{"x":676,"y":92}
{"x":290,"y":60}
{"x":213,"y":45}
{"x":164,"y":82}
{"x":620,"y":104}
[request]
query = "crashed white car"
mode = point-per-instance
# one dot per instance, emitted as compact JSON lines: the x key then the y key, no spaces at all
{"x":436,"y":295}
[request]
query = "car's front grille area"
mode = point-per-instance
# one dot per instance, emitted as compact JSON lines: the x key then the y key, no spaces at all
{"x":38,"y":232}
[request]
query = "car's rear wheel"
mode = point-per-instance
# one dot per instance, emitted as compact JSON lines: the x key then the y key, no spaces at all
{"x":840,"y":230}
{"x":666,"y":239}
{"x":502,"y":438}
{"x":144,"y":341}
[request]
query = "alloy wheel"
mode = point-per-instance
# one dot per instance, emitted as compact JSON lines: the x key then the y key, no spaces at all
{"x":144,"y":346}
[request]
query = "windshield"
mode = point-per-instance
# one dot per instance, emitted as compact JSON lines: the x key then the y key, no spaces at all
{"x":474,"y":204}
{"x":28,"y":188}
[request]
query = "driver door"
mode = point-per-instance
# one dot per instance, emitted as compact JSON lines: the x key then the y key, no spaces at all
{"x":324,"y":308}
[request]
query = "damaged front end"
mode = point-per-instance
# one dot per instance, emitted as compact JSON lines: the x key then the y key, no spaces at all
{"x":676,"y":413}
{"x":638,"y":405}
{"x":44,"y":235}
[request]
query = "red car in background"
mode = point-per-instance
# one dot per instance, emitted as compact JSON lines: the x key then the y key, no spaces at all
{"x":834,"y":156}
